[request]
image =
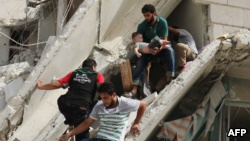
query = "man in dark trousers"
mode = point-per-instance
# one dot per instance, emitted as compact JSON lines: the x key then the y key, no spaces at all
{"x":152,"y":26}
{"x":113,"y":113}
{"x":77,"y":103}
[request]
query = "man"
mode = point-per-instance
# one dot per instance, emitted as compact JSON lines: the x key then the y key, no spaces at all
{"x":185,"y":48}
{"x":152,"y":26}
{"x":77,"y":103}
{"x":113,"y":113}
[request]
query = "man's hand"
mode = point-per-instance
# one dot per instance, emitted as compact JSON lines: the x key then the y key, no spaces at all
{"x":39,"y":83}
{"x":155,"y":50}
{"x":135,"y":129}
{"x":64,"y":137}
{"x":138,"y":55}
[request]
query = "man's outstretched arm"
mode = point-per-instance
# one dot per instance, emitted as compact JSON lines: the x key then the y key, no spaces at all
{"x":79,"y":129}
{"x":50,"y":86}
{"x":135,"y":127}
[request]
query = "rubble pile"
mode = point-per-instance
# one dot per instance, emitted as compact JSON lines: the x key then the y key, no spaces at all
{"x":9,"y":73}
{"x":27,"y":56}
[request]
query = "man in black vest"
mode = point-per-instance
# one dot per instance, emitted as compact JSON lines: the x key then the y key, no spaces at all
{"x":77,"y":103}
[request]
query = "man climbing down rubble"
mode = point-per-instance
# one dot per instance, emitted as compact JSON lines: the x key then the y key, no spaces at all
{"x":77,"y":103}
{"x":185,"y":47}
{"x":152,"y":26}
{"x":113,"y":112}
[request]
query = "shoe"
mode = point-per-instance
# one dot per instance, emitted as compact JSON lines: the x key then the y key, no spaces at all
{"x":162,"y":83}
{"x":179,"y":70}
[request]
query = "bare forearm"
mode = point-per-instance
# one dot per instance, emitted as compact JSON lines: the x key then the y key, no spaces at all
{"x":50,"y":86}
{"x":165,"y":38}
{"x":47,"y":87}
{"x":140,"y":112}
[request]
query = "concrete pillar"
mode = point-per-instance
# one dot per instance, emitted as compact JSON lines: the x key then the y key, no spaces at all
{"x":4,"y":46}
{"x":47,"y":25}
{"x":60,"y":13}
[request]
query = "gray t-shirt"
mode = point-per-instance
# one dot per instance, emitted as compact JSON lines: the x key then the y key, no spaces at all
{"x":140,"y":45}
{"x":113,"y":122}
{"x":186,"y":38}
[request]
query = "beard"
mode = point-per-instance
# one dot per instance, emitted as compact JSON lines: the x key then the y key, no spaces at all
{"x":151,"y":20}
{"x":111,"y":104}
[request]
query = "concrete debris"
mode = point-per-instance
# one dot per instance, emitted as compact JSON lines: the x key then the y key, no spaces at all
{"x":16,"y":103}
{"x":27,"y":56}
{"x":17,"y":16}
{"x":242,"y":57}
{"x":234,"y":49}
{"x":226,"y":45}
{"x":11,"y":76}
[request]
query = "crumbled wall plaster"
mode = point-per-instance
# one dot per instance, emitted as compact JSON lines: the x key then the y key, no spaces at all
{"x":29,"y":85}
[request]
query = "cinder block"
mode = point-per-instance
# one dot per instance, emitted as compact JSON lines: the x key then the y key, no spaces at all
{"x":240,"y":3}
{"x":229,"y":29}
{"x":226,"y":15}
{"x":215,"y":31}
{"x":246,"y":18}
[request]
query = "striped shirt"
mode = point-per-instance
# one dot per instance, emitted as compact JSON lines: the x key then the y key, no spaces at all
{"x":113,"y":122}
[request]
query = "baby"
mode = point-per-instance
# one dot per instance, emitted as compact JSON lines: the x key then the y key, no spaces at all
{"x":141,"y":47}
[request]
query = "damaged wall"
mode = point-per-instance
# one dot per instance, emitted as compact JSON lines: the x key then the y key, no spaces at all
{"x":10,"y":17}
{"x":62,"y":58}
{"x":47,"y":22}
{"x":226,"y":16}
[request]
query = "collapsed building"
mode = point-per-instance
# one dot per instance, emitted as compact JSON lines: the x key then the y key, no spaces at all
{"x":61,"y":34}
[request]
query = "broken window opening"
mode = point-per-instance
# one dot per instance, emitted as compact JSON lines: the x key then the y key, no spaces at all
{"x":20,"y":36}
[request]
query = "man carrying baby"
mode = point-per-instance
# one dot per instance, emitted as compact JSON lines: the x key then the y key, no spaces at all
{"x":152,"y":26}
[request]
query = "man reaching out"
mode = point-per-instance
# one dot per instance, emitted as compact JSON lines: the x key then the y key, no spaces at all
{"x":113,"y":112}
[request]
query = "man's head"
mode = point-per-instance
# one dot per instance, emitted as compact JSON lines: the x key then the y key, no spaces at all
{"x":149,"y":13}
{"x":137,"y":37}
{"x":90,"y":63}
{"x":173,"y":33}
{"x":107,"y":94}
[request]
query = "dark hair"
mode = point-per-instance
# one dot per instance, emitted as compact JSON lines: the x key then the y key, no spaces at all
{"x":176,"y":27}
{"x":89,"y":63}
{"x":148,"y":8}
{"x":135,"y":34}
{"x":106,"y":87}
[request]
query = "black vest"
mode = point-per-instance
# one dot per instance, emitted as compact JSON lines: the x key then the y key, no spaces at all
{"x":82,"y":87}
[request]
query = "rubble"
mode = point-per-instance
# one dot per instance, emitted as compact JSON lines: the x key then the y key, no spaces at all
{"x":8,"y":74}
